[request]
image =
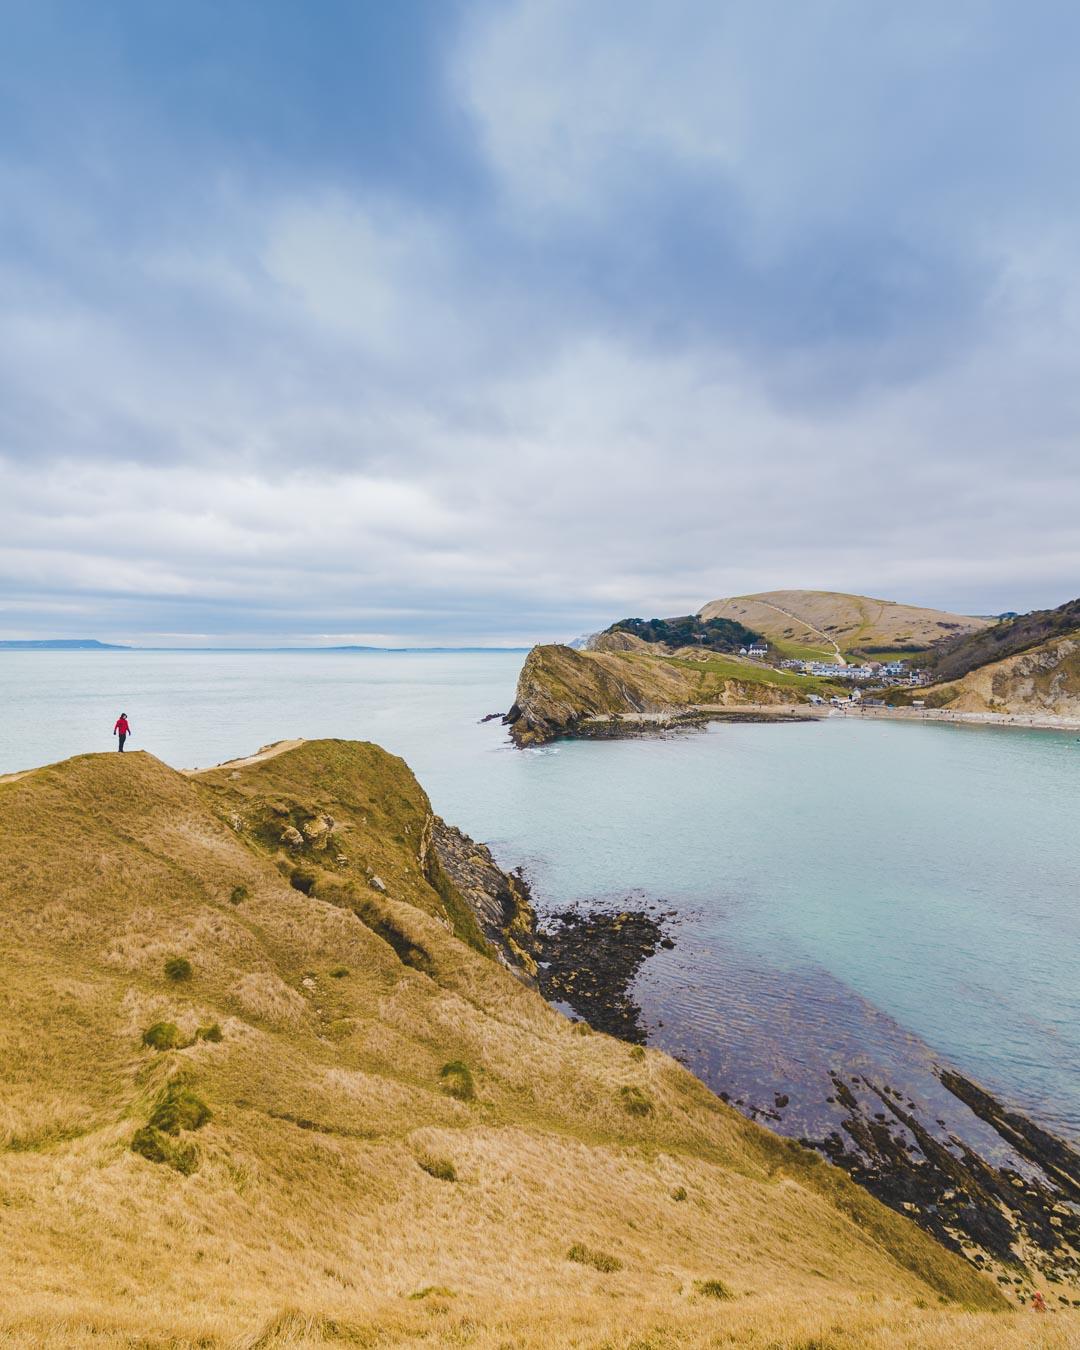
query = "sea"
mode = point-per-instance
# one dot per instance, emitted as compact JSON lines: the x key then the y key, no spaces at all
{"x":846,"y":896}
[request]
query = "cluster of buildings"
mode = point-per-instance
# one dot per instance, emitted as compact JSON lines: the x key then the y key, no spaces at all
{"x":888,"y":672}
{"x":872,"y":672}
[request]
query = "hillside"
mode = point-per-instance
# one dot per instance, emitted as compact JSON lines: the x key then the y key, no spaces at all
{"x":561,"y":691}
{"x":267,"y":1084}
{"x":827,"y":624}
{"x":1022,"y":632}
{"x":1045,"y":679}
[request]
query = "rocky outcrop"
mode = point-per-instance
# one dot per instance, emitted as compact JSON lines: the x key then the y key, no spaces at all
{"x":499,"y":900}
{"x":558,"y":688}
{"x":562,"y":692}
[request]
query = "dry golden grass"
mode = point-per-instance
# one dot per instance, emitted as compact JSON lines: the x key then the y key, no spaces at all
{"x":309,"y":1217}
{"x":816,"y":619}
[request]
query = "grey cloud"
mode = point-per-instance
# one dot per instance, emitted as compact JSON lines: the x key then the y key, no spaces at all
{"x":723,"y":297}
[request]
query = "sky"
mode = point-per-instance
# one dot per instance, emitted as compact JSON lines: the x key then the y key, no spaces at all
{"x":493,"y":321}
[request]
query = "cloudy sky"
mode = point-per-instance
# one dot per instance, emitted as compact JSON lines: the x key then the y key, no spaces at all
{"x":451,"y":322}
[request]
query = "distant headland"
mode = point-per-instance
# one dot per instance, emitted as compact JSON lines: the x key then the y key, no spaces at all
{"x":60,"y":645}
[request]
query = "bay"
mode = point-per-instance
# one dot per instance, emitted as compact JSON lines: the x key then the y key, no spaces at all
{"x":850,"y":893}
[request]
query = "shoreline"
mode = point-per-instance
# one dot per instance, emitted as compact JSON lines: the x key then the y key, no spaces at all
{"x":614,"y":726}
{"x":989,"y":1183}
{"x":1028,"y":721}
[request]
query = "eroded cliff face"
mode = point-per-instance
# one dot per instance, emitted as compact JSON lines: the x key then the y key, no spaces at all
{"x":560,"y":690}
{"x":1043,"y":680}
{"x":499,"y":900}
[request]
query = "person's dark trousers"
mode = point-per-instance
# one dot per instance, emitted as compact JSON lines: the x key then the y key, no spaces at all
{"x":122,"y":737}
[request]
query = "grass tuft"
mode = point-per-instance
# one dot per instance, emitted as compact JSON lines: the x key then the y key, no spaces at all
{"x":179,"y":1109}
{"x":209,"y":1033}
{"x":162,"y":1036}
{"x":238,"y":895}
{"x":588,"y":1256}
{"x":156,"y":1147}
{"x":713,"y":1289}
{"x":339,"y":972}
{"x":457,"y":1081}
{"x":635,"y":1102}
{"x":178,"y":969}
{"x":679,"y":1193}
{"x":433,"y":1291}
{"x":442,"y":1169}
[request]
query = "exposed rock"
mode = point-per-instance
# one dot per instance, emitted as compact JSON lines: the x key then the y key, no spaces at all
{"x":376,"y":883}
{"x":989,"y":1212}
{"x":291,"y":837}
{"x":1045,"y":679}
{"x":500,"y":900}
{"x":589,"y":959}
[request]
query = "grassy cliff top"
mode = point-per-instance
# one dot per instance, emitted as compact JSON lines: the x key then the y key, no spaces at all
{"x":264,"y":1085}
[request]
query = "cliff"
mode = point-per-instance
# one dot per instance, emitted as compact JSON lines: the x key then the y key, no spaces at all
{"x":562,"y":692}
{"x":1043,"y":679}
{"x":267,"y":1083}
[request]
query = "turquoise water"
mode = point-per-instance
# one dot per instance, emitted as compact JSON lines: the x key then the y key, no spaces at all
{"x":850,"y":891}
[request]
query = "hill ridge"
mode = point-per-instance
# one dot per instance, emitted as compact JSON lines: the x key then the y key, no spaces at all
{"x":840,"y":623}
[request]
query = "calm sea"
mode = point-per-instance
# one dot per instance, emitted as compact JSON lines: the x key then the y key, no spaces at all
{"x":851,"y":894}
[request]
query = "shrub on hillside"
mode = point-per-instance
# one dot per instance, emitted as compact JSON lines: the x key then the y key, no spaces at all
{"x":238,"y":895}
{"x":209,"y":1033}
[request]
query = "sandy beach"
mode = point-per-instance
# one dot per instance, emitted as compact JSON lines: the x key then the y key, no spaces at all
{"x":781,"y":712}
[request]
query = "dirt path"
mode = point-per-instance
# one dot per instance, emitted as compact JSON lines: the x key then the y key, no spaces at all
{"x":808,"y":626}
{"x":266,"y":752}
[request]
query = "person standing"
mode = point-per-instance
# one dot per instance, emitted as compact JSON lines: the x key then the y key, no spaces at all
{"x":122,"y":729}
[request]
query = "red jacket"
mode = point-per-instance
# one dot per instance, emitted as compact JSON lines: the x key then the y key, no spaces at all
{"x":122,"y":727}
